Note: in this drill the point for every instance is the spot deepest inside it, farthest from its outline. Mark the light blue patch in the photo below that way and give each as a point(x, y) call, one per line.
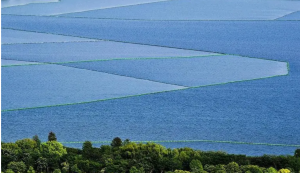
point(9, 36)
point(191, 72)
point(88, 51)
point(70, 6)
point(278, 40)
point(47, 85)
point(11, 3)
point(292, 16)
point(199, 10)
point(13, 62)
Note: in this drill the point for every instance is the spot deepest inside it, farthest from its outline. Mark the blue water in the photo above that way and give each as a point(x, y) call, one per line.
point(70, 6)
point(199, 10)
point(13, 36)
point(279, 40)
point(191, 71)
point(10, 3)
point(83, 51)
point(292, 16)
point(46, 85)
point(254, 111)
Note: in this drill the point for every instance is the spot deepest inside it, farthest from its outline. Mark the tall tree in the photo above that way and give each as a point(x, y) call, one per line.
point(37, 140)
point(116, 142)
point(297, 153)
point(52, 137)
point(87, 149)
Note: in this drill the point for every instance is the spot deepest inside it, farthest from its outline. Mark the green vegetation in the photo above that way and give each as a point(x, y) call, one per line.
point(33, 156)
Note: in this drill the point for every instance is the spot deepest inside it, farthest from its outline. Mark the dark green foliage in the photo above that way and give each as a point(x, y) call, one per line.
point(65, 167)
point(9, 171)
point(297, 153)
point(9, 152)
point(130, 157)
point(17, 167)
point(233, 167)
point(125, 142)
point(116, 142)
point(41, 164)
point(30, 170)
point(57, 171)
point(136, 170)
point(87, 149)
point(196, 166)
point(37, 140)
point(52, 137)
point(252, 169)
point(75, 169)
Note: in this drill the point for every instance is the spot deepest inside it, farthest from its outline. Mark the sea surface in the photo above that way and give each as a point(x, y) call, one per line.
point(11, 3)
point(192, 72)
point(291, 16)
point(198, 10)
point(90, 50)
point(70, 6)
point(262, 111)
point(20, 37)
point(32, 86)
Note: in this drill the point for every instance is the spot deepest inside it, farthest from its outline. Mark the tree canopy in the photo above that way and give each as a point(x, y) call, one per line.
point(34, 156)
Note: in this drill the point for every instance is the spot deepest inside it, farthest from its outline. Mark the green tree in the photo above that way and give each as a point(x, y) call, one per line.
point(87, 149)
point(9, 152)
point(37, 140)
point(75, 169)
point(284, 171)
point(116, 142)
point(30, 170)
point(220, 169)
point(83, 165)
point(181, 171)
point(126, 142)
point(17, 167)
point(209, 168)
point(52, 151)
point(136, 170)
point(297, 153)
point(65, 167)
point(271, 170)
point(196, 166)
point(233, 167)
point(26, 144)
point(52, 137)
point(29, 151)
point(252, 169)
point(9, 171)
point(41, 164)
point(57, 171)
